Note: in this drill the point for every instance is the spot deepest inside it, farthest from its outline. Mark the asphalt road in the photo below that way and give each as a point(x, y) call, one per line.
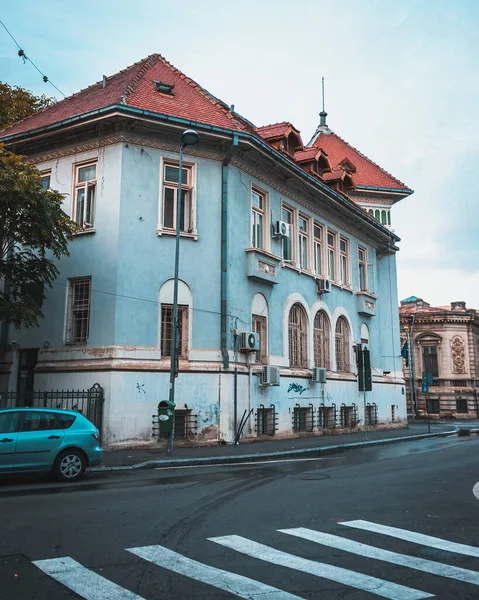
point(148, 534)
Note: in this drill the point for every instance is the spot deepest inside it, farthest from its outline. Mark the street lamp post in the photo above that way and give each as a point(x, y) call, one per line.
point(188, 138)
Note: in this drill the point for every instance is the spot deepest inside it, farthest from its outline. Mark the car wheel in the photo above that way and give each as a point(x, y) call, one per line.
point(69, 466)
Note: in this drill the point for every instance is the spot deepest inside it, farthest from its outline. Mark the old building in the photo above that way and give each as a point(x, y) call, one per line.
point(276, 239)
point(443, 341)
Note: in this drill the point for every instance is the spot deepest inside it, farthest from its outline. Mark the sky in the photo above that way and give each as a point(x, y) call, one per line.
point(402, 86)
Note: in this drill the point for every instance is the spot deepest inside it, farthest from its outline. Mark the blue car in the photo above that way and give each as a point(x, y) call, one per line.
point(44, 440)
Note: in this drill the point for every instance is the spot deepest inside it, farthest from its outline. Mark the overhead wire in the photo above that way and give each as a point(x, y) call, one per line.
point(25, 58)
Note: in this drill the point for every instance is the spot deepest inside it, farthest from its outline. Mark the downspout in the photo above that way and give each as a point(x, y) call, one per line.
point(224, 253)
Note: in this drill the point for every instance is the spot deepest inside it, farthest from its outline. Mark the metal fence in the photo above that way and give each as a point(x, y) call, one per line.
point(88, 402)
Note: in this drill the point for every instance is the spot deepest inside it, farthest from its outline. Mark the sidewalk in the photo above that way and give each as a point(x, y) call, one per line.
point(155, 456)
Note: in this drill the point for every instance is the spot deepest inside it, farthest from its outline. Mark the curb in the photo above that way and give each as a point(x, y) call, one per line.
point(307, 452)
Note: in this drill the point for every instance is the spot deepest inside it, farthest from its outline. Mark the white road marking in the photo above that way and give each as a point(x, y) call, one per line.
point(87, 584)
point(416, 538)
point(419, 564)
point(345, 576)
point(224, 580)
point(475, 490)
point(254, 462)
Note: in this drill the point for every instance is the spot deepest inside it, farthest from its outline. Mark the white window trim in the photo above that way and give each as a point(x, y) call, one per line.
point(307, 235)
point(76, 168)
point(322, 244)
point(266, 217)
point(346, 283)
point(335, 279)
point(365, 250)
point(292, 234)
point(185, 298)
point(47, 173)
point(160, 229)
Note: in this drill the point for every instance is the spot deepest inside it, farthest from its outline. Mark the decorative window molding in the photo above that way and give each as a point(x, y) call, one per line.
point(303, 242)
point(343, 344)
point(344, 261)
point(260, 237)
point(287, 245)
point(185, 312)
point(363, 268)
point(84, 194)
point(259, 319)
point(318, 236)
point(332, 252)
point(169, 175)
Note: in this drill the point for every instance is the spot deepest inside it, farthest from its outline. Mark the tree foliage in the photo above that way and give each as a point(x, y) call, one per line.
point(34, 234)
point(17, 103)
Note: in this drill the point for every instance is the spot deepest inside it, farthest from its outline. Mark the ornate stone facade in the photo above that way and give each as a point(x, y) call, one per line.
point(443, 341)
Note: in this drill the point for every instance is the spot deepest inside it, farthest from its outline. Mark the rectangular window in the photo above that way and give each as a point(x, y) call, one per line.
point(167, 330)
point(429, 354)
point(258, 207)
point(78, 310)
point(303, 242)
point(265, 421)
point(461, 405)
point(433, 406)
point(171, 174)
point(260, 326)
point(332, 256)
point(344, 260)
point(303, 418)
point(363, 269)
point(85, 195)
point(318, 249)
point(45, 178)
point(287, 217)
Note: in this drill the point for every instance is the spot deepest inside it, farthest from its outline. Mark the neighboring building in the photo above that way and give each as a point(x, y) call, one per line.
point(312, 289)
point(445, 343)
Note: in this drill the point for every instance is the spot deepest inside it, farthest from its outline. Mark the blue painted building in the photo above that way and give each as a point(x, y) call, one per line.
point(277, 240)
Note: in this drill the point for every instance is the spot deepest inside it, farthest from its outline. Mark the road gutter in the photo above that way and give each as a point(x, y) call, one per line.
point(313, 452)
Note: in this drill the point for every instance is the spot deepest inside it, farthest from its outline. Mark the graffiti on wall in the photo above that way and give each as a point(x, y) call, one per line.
point(297, 388)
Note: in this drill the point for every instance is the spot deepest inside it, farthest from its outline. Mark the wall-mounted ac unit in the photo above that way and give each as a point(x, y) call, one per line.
point(318, 375)
point(281, 230)
point(269, 375)
point(323, 286)
point(249, 342)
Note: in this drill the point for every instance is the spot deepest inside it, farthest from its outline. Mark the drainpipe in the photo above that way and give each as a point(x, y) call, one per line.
point(412, 383)
point(224, 253)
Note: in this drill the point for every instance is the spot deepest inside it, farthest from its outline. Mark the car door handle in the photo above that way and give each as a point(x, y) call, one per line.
point(53, 437)
point(6, 440)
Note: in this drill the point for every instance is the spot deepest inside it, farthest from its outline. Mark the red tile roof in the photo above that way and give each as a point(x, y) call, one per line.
point(276, 130)
point(307, 154)
point(134, 87)
point(337, 174)
point(367, 172)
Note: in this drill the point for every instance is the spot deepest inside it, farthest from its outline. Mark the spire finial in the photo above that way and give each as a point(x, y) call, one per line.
point(323, 114)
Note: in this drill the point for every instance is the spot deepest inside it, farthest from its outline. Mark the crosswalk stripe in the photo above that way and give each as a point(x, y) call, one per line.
point(419, 564)
point(412, 536)
point(87, 584)
point(224, 580)
point(338, 574)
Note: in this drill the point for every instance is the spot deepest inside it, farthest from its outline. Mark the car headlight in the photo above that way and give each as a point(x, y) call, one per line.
point(96, 436)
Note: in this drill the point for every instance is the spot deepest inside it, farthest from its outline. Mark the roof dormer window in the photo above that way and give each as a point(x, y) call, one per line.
point(164, 88)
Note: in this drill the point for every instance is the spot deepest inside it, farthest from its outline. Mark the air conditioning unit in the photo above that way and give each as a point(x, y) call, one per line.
point(318, 375)
point(269, 375)
point(281, 230)
point(323, 286)
point(249, 342)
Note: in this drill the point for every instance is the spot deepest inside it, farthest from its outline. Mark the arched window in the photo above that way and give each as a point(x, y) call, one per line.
point(342, 346)
point(365, 335)
point(389, 217)
point(321, 331)
point(259, 320)
point(298, 337)
point(371, 212)
point(184, 331)
point(383, 217)
point(377, 215)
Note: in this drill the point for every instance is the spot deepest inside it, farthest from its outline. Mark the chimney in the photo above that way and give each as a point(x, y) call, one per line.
point(104, 81)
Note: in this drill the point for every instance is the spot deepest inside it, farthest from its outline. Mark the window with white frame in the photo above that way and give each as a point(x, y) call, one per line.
point(303, 232)
point(260, 326)
point(258, 218)
point(45, 179)
point(332, 255)
point(321, 331)
point(363, 269)
point(78, 310)
point(171, 174)
point(287, 247)
point(85, 195)
point(167, 330)
point(344, 260)
point(318, 249)
point(298, 337)
point(343, 363)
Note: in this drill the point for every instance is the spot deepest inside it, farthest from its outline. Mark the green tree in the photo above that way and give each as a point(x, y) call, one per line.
point(34, 234)
point(17, 103)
